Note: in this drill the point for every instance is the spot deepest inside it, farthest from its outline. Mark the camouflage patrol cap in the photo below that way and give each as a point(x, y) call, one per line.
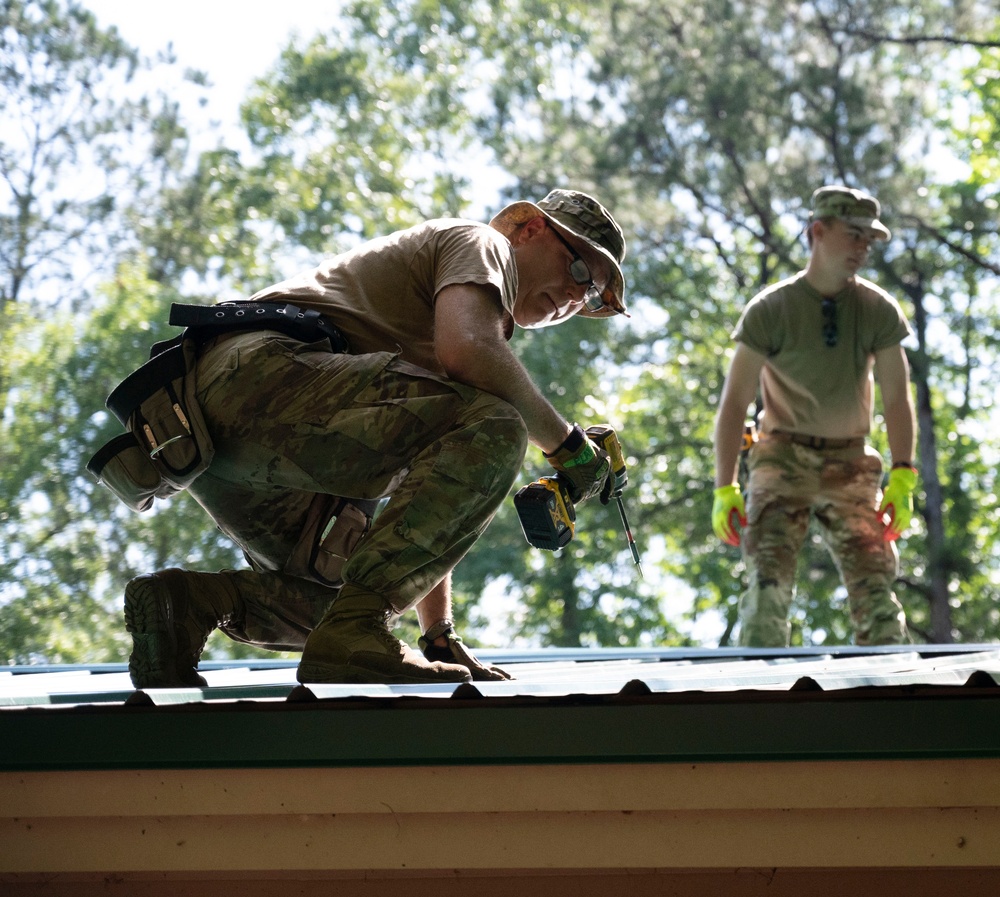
point(853, 206)
point(583, 217)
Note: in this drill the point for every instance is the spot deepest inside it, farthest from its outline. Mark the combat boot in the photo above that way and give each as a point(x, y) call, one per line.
point(352, 643)
point(170, 615)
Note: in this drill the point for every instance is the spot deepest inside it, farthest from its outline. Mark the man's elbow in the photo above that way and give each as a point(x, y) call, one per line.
point(461, 360)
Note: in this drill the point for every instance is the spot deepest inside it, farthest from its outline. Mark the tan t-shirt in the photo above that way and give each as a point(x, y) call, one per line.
point(381, 295)
point(808, 387)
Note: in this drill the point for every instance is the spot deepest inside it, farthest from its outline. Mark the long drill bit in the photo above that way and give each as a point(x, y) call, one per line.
point(628, 536)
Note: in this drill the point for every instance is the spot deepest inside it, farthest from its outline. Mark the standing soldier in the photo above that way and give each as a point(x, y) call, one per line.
point(811, 344)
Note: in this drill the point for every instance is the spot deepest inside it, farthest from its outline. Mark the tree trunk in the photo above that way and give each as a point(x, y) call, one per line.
point(933, 505)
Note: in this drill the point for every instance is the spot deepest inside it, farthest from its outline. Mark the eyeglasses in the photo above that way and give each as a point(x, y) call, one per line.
point(580, 272)
point(830, 322)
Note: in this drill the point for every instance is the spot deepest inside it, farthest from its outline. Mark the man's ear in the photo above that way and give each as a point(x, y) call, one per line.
point(531, 229)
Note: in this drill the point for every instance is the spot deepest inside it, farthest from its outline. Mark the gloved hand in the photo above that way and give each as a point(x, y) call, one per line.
point(897, 502)
point(727, 511)
point(456, 652)
point(585, 466)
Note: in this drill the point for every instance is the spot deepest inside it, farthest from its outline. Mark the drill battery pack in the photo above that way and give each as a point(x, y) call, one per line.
point(547, 516)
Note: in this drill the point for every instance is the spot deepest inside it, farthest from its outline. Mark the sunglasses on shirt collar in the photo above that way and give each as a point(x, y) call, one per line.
point(580, 272)
point(829, 307)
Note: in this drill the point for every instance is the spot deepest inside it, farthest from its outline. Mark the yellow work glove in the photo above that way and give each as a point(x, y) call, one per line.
point(897, 502)
point(727, 511)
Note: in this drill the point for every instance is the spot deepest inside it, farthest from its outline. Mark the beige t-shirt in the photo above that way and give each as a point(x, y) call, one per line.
point(381, 295)
point(807, 386)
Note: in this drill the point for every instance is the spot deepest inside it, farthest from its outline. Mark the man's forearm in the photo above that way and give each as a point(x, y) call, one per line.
point(728, 438)
point(737, 394)
point(726, 454)
point(472, 349)
point(897, 403)
point(729, 423)
point(506, 377)
point(900, 428)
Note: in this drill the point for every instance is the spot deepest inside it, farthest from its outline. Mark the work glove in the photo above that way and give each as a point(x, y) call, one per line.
point(728, 511)
point(897, 502)
point(456, 652)
point(585, 467)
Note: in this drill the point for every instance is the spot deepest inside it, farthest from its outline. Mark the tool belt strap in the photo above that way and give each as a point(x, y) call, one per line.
point(165, 367)
point(817, 442)
point(305, 324)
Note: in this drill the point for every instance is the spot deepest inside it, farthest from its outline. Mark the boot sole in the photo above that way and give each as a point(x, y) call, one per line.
point(149, 619)
point(322, 673)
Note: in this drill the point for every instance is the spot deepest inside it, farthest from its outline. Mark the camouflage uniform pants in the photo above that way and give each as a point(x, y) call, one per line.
point(840, 488)
point(290, 420)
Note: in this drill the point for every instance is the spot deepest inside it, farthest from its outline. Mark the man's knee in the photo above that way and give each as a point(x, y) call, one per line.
point(507, 427)
point(494, 441)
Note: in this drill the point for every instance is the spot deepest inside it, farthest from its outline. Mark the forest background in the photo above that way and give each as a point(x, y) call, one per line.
point(705, 128)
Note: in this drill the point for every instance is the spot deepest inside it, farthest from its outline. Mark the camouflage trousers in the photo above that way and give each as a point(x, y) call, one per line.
point(291, 421)
point(789, 484)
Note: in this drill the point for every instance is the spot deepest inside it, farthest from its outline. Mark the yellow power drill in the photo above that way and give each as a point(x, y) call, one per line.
point(546, 511)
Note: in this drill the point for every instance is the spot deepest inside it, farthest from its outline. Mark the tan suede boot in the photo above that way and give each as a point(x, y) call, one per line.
point(352, 643)
point(171, 614)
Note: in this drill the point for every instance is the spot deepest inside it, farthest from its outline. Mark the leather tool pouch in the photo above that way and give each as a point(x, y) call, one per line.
point(126, 469)
point(332, 530)
point(167, 444)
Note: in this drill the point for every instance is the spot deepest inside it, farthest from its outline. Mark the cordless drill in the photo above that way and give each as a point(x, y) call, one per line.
point(546, 510)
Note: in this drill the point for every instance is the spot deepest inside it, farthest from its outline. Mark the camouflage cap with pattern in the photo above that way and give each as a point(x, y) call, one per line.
point(853, 206)
point(583, 217)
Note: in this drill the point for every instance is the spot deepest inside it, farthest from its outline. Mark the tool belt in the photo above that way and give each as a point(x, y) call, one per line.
point(816, 442)
point(166, 445)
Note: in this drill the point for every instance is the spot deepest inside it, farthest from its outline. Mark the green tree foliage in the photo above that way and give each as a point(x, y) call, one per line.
point(67, 544)
point(704, 128)
point(75, 154)
point(61, 127)
point(358, 129)
point(717, 124)
point(710, 128)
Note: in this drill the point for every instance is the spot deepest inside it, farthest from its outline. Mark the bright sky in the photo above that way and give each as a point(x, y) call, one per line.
point(233, 41)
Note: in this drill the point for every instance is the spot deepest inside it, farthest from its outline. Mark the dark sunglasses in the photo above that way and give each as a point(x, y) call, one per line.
point(830, 322)
point(578, 270)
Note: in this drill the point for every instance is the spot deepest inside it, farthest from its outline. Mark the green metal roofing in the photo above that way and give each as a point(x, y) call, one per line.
point(611, 707)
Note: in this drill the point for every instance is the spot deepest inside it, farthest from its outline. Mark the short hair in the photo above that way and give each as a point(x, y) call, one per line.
point(809, 227)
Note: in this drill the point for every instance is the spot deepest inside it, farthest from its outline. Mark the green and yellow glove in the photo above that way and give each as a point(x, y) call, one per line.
point(897, 502)
point(728, 511)
point(585, 467)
